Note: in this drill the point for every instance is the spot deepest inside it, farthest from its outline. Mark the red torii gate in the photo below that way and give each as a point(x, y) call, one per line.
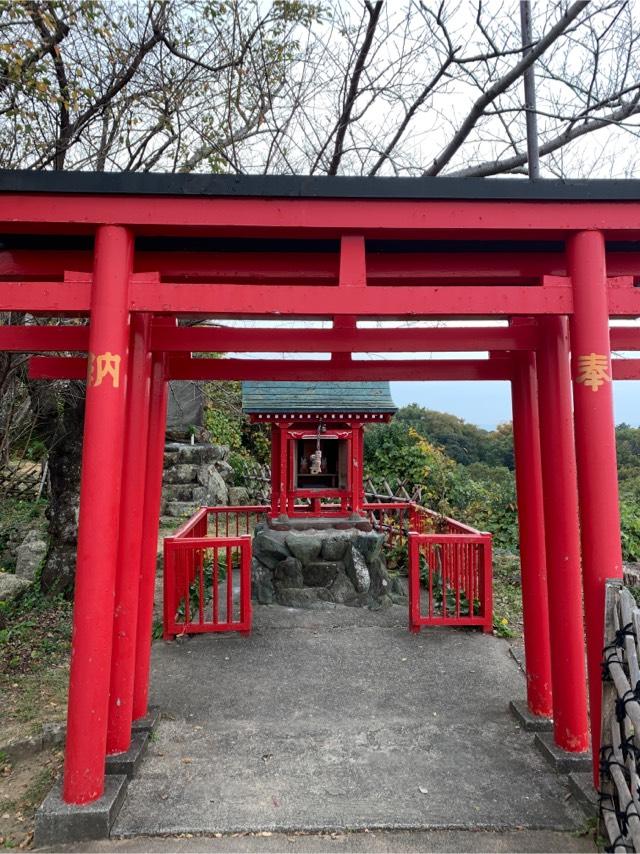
point(135, 252)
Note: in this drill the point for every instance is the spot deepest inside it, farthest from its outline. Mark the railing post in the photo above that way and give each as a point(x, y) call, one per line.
point(414, 583)
point(100, 487)
point(169, 586)
point(487, 552)
point(245, 586)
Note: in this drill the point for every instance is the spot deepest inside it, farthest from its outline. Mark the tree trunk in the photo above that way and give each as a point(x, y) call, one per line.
point(59, 409)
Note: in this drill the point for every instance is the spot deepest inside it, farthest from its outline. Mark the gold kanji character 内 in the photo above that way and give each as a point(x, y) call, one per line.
point(101, 366)
point(593, 370)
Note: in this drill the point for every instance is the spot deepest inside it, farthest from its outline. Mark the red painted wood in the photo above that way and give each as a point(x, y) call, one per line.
point(404, 340)
point(447, 553)
point(215, 299)
point(34, 339)
point(234, 340)
point(125, 621)
point(222, 339)
point(595, 450)
point(152, 501)
point(275, 466)
point(57, 368)
point(570, 723)
point(283, 459)
point(526, 439)
point(75, 368)
point(318, 267)
point(353, 265)
point(626, 369)
point(316, 217)
point(98, 524)
point(258, 369)
point(283, 300)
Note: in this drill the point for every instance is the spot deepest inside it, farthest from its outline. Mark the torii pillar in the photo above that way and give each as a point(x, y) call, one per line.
point(100, 488)
point(595, 448)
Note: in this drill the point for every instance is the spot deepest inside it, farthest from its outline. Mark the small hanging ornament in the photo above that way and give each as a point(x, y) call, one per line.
point(316, 456)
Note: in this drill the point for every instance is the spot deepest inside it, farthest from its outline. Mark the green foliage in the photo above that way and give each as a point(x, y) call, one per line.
point(480, 494)
point(223, 428)
point(630, 527)
point(467, 472)
point(394, 451)
point(492, 504)
point(628, 447)
point(228, 425)
point(507, 595)
point(464, 443)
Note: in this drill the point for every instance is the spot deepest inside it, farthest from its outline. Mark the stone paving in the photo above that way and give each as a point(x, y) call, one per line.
point(339, 720)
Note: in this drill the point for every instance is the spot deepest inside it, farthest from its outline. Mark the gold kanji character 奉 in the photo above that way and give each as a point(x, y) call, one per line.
point(104, 365)
point(593, 370)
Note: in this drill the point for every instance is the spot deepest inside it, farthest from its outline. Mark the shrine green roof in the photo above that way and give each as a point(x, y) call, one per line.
point(298, 397)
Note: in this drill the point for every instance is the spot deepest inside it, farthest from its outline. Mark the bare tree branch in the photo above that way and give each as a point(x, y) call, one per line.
point(502, 85)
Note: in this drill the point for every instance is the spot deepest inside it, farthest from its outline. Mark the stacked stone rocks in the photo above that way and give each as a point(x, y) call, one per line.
point(318, 568)
point(194, 476)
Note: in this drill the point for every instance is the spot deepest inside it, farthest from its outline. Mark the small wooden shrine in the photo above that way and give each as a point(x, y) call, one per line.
point(317, 441)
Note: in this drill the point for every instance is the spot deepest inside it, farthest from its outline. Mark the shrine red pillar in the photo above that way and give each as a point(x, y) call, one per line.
point(275, 470)
point(595, 447)
point(283, 461)
point(125, 619)
point(100, 485)
point(568, 675)
point(150, 524)
point(533, 565)
point(357, 453)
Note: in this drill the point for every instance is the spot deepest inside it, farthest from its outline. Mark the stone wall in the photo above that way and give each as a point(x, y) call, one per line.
point(316, 568)
point(194, 476)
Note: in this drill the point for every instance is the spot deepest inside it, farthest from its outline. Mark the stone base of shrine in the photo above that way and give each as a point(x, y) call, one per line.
point(323, 562)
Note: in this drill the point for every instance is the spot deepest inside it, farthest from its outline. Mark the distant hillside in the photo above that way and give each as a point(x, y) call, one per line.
point(468, 472)
point(465, 443)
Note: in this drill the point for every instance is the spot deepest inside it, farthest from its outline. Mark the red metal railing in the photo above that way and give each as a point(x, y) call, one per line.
point(396, 519)
point(226, 521)
point(450, 580)
point(449, 564)
point(207, 576)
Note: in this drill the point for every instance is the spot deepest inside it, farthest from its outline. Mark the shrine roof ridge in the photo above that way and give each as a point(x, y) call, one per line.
point(299, 397)
point(316, 186)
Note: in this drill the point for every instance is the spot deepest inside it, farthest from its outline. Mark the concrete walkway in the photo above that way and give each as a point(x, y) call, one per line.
point(334, 720)
point(359, 842)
